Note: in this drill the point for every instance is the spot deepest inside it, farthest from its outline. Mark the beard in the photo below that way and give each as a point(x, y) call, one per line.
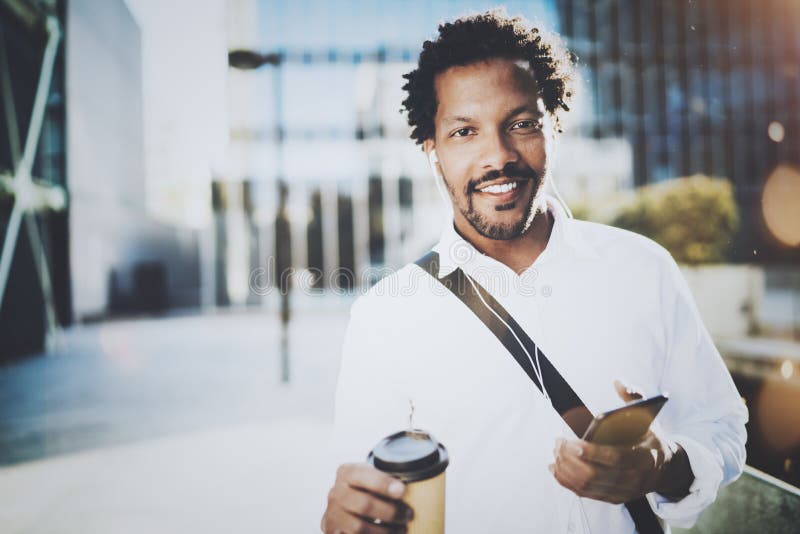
point(481, 222)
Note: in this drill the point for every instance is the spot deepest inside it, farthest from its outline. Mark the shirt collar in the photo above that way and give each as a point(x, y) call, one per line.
point(455, 251)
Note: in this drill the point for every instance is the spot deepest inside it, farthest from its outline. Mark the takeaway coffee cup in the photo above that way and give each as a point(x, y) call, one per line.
point(417, 459)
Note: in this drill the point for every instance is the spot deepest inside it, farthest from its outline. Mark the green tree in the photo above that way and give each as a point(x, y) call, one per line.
point(693, 218)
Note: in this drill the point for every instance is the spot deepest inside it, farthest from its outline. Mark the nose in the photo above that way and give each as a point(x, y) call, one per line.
point(498, 151)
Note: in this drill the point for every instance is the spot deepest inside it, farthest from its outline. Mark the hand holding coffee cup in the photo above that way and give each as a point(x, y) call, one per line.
point(365, 499)
point(417, 459)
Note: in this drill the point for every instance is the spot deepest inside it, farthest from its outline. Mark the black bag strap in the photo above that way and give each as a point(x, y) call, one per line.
point(564, 399)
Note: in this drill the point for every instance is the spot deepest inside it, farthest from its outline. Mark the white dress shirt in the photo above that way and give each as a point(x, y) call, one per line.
point(602, 304)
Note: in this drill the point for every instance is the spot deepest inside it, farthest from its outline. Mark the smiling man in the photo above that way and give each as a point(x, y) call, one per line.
point(603, 304)
point(492, 140)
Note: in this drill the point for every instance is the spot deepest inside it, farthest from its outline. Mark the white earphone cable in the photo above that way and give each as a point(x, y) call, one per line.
point(536, 368)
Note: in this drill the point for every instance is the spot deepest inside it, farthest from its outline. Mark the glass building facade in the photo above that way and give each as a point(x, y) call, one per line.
point(705, 86)
point(23, 38)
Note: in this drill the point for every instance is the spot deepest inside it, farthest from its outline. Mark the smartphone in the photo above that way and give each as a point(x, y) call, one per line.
point(624, 426)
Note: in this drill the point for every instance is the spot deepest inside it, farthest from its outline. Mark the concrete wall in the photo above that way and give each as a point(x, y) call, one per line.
point(110, 229)
point(728, 297)
point(737, 301)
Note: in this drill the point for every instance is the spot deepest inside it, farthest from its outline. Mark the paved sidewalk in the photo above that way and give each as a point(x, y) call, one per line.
point(173, 425)
point(266, 479)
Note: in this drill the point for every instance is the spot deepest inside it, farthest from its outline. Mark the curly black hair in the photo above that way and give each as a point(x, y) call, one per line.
point(485, 36)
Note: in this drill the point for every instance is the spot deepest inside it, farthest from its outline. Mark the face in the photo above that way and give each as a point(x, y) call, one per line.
point(492, 146)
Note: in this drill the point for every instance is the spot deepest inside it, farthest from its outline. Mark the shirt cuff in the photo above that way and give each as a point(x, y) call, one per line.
point(707, 479)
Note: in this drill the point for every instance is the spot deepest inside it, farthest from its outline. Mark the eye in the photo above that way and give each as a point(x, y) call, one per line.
point(461, 132)
point(527, 124)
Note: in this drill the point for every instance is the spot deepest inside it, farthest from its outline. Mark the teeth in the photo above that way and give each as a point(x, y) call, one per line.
point(501, 188)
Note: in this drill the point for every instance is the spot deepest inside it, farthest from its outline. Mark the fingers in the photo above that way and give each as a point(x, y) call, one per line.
point(583, 474)
point(585, 481)
point(569, 470)
point(364, 476)
point(367, 505)
point(605, 455)
point(610, 474)
point(599, 454)
point(598, 493)
point(364, 499)
point(341, 522)
point(635, 457)
point(627, 392)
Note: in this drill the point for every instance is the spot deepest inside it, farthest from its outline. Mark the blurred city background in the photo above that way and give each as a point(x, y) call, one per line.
point(162, 161)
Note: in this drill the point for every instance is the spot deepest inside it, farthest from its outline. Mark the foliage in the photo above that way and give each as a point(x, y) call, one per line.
point(693, 218)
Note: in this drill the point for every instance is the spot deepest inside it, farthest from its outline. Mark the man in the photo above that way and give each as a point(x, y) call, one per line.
point(603, 304)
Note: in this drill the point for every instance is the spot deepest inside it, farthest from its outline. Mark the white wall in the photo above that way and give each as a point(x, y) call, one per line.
point(109, 225)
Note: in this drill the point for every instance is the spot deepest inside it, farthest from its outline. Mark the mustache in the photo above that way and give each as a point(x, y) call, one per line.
point(509, 171)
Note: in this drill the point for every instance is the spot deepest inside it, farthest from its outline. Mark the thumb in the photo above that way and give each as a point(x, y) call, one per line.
point(626, 392)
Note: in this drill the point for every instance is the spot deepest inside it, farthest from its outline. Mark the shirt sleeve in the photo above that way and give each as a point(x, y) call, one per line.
point(370, 403)
point(705, 413)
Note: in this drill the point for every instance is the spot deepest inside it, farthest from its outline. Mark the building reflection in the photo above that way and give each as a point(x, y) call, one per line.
point(709, 87)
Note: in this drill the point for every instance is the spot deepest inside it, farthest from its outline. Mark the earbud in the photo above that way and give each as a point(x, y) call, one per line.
point(438, 178)
point(434, 159)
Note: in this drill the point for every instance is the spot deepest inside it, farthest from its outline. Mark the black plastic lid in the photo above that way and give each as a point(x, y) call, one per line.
point(409, 455)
